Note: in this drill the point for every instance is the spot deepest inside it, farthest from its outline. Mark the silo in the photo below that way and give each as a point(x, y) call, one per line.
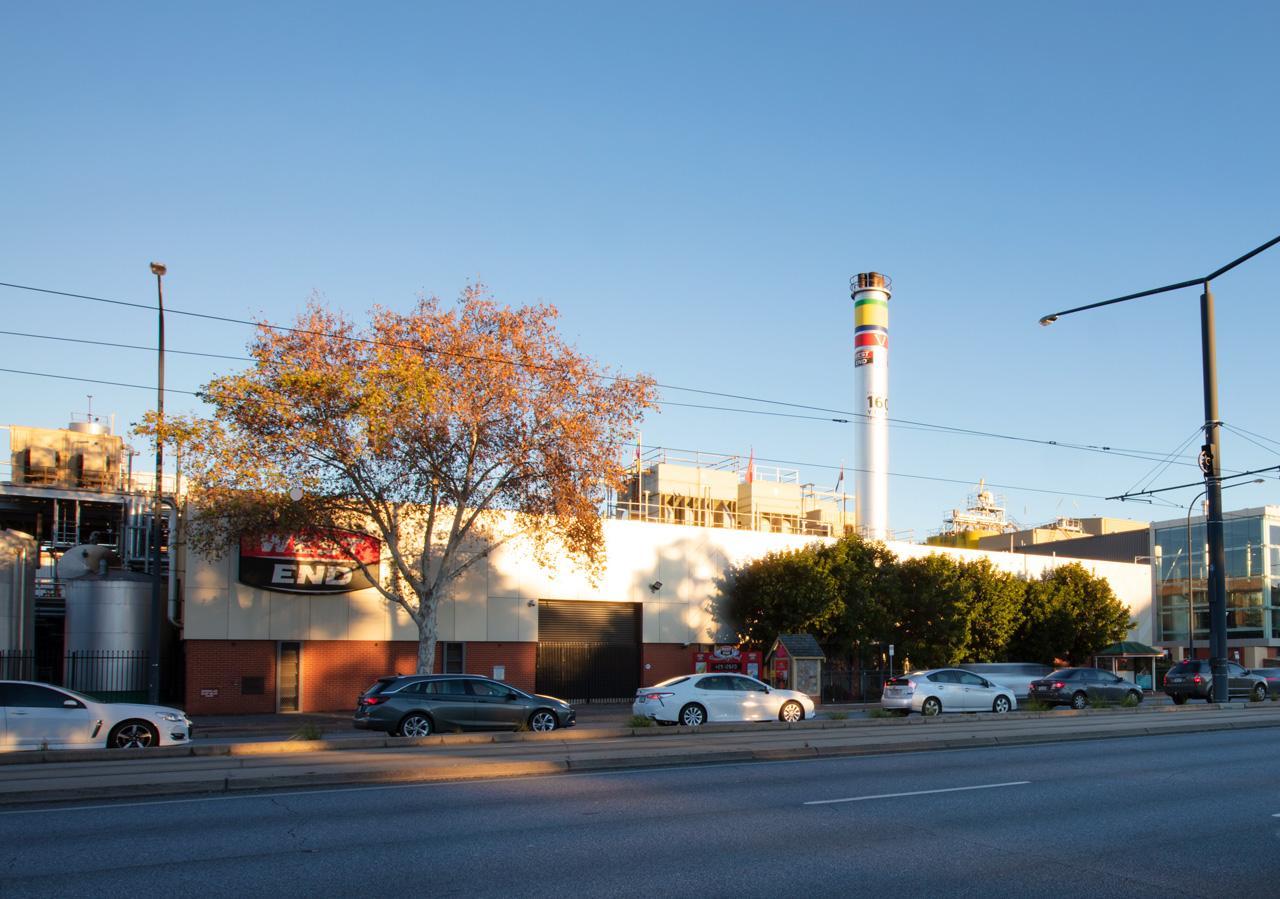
point(108, 617)
point(871, 292)
point(19, 559)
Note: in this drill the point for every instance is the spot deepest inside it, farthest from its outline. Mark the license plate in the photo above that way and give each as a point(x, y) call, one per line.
point(891, 691)
point(1175, 680)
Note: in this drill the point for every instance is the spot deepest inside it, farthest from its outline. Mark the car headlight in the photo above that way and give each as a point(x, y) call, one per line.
point(175, 717)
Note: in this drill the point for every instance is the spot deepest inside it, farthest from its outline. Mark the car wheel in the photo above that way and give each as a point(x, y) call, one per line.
point(1079, 701)
point(931, 706)
point(693, 715)
point(1178, 699)
point(791, 712)
point(1001, 705)
point(542, 721)
point(1259, 693)
point(132, 735)
point(415, 724)
point(1136, 697)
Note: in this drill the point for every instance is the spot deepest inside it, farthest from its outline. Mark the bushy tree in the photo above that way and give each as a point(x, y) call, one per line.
point(784, 592)
point(995, 609)
point(931, 612)
point(1069, 615)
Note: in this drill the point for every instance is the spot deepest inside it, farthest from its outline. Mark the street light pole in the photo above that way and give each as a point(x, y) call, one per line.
point(1211, 465)
point(157, 584)
point(1210, 455)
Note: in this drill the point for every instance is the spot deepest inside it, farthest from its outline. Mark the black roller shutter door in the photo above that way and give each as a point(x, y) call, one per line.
point(589, 651)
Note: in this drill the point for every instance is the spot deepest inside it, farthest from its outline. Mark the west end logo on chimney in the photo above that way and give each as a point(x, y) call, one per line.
point(312, 562)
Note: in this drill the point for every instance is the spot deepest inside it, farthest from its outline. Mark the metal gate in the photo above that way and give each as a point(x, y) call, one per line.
point(589, 651)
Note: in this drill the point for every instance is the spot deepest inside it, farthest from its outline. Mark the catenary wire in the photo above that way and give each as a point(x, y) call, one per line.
point(907, 424)
point(175, 390)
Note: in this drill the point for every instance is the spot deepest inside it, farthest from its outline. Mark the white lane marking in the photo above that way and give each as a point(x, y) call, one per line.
point(1012, 783)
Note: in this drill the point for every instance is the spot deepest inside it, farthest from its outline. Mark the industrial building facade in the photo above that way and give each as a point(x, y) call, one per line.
point(251, 649)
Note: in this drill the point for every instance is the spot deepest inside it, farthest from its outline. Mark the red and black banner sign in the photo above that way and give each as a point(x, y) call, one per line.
point(311, 562)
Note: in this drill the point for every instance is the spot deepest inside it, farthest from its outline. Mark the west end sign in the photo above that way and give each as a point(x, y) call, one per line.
point(316, 562)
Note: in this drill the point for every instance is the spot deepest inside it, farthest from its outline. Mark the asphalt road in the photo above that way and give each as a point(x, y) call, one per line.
point(1192, 815)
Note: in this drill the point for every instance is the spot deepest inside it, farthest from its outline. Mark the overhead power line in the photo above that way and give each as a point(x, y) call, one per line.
point(845, 416)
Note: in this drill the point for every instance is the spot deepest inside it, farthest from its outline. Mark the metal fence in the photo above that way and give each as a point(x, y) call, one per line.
point(852, 684)
point(108, 675)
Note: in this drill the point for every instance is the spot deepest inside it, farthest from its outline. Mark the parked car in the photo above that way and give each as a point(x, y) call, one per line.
point(418, 705)
point(701, 698)
point(1017, 676)
point(42, 716)
point(939, 690)
point(1082, 687)
point(1271, 676)
point(1193, 679)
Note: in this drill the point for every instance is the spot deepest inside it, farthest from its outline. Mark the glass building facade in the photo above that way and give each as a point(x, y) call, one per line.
point(1252, 539)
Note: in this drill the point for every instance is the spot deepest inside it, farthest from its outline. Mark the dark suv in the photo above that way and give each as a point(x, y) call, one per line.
point(419, 705)
point(1193, 679)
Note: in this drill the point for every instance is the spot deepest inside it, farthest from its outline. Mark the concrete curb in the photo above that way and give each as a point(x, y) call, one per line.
point(574, 734)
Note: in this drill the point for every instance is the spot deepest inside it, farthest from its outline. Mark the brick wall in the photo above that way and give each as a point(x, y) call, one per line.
point(334, 672)
point(664, 660)
point(520, 659)
point(215, 672)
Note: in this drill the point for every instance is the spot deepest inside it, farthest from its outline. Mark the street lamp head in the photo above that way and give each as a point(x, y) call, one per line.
point(157, 268)
point(1048, 320)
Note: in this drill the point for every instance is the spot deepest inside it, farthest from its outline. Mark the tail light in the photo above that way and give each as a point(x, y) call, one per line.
point(1058, 685)
point(1196, 679)
point(373, 700)
point(657, 697)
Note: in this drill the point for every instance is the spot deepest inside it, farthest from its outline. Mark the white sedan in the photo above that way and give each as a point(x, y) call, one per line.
point(701, 698)
point(40, 716)
point(945, 690)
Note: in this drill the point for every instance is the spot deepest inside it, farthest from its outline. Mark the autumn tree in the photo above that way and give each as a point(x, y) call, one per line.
point(444, 432)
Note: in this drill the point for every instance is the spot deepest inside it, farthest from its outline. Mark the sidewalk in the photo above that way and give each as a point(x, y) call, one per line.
point(106, 774)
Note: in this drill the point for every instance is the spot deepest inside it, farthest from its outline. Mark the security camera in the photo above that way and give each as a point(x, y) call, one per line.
point(656, 586)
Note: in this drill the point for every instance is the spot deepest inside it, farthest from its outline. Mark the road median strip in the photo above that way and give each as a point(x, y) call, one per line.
point(104, 774)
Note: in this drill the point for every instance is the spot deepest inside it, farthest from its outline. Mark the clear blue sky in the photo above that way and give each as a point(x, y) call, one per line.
point(692, 185)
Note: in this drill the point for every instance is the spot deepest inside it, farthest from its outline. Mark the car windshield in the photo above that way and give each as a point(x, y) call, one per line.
point(672, 681)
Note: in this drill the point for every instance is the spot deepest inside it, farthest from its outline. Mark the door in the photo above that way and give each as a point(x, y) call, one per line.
point(978, 697)
point(1117, 688)
point(495, 705)
point(588, 651)
point(452, 704)
point(716, 693)
point(288, 679)
point(1238, 683)
point(37, 716)
point(754, 699)
point(946, 687)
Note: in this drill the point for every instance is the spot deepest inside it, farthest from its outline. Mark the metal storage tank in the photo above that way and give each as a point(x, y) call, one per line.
point(108, 617)
point(19, 558)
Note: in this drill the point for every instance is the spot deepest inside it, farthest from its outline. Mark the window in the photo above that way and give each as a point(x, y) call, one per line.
point(969, 680)
point(747, 685)
point(717, 682)
point(453, 688)
point(30, 696)
point(943, 677)
point(490, 690)
point(452, 658)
